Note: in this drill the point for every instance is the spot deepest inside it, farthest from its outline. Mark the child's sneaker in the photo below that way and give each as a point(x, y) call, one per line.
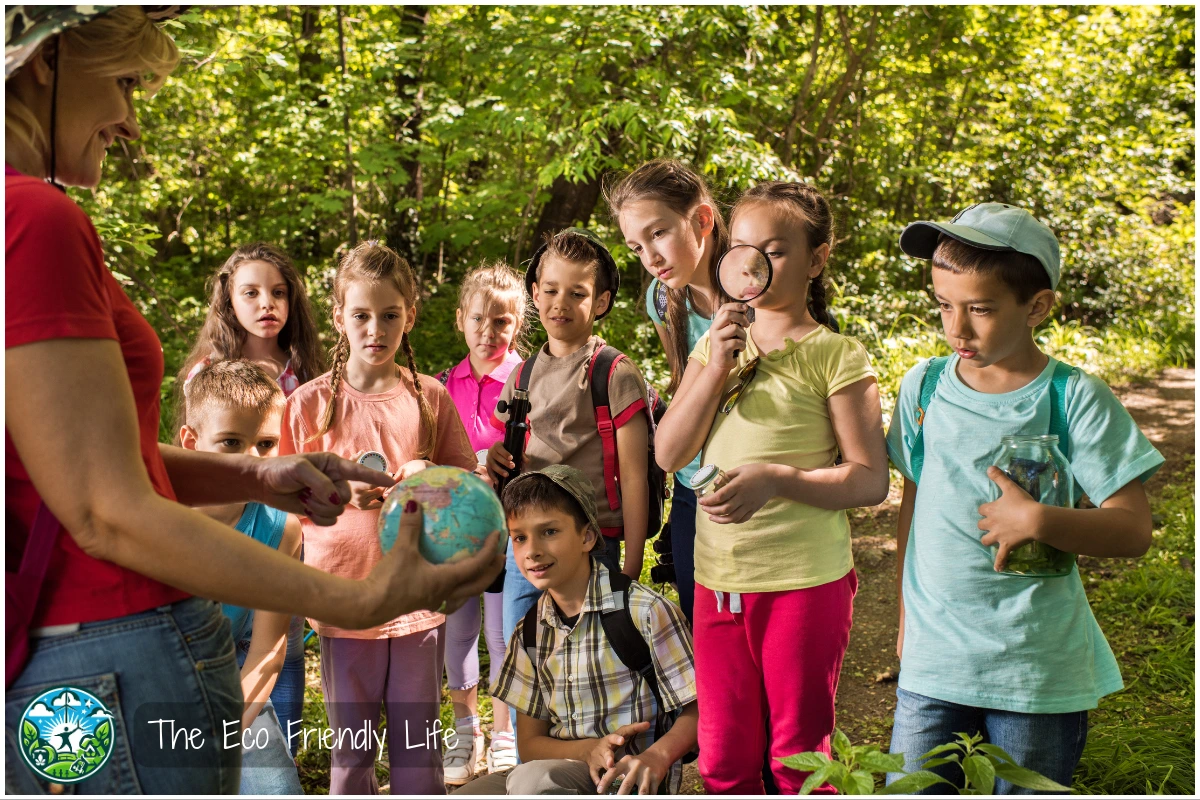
point(459, 763)
point(502, 754)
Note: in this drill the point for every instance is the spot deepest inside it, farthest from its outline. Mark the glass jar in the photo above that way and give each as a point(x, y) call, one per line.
point(1037, 465)
point(708, 479)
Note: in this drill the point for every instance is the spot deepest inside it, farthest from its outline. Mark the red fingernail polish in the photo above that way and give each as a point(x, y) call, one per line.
point(333, 498)
point(410, 507)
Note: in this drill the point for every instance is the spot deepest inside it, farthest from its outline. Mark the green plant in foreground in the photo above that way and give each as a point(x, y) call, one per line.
point(855, 769)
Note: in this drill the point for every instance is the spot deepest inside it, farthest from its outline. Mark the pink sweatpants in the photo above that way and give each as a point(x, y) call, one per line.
point(780, 656)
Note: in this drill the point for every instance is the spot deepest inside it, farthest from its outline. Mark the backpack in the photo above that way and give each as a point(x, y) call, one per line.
point(22, 590)
point(626, 641)
point(604, 361)
point(929, 380)
point(443, 376)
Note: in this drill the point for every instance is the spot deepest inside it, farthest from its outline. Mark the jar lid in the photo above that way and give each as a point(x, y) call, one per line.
point(373, 460)
point(705, 475)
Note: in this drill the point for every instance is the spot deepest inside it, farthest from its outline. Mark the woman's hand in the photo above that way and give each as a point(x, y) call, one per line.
point(747, 489)
point(403, 581)
point(314, 485)
point(727, 335)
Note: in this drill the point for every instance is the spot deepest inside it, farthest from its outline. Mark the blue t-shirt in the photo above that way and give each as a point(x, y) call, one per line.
point(697, 327)
point(262, 524)
point(974, 636)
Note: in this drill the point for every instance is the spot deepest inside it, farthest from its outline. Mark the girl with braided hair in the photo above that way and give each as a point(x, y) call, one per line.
point(367, 402)
point(772, 404)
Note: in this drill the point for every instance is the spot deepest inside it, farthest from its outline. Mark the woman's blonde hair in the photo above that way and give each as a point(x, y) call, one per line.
point(116, 42)
point(377, 263)
point(500, 284)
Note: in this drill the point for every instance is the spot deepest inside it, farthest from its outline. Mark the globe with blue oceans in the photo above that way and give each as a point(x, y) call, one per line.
point(460, 510)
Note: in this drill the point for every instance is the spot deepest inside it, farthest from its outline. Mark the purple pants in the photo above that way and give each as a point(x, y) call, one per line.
point(403, 675)
point(462, 641)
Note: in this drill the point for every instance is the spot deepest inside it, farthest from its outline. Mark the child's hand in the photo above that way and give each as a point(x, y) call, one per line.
point(601, 757)
point(726, 335)
point(365, 496)
point(1012, 520)
point(499, 460)
point(644, 771)
point(748, 489)
point(410, 468)
point(482, 471)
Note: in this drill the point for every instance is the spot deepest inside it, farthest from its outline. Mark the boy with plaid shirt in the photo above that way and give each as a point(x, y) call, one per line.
point(584, 719)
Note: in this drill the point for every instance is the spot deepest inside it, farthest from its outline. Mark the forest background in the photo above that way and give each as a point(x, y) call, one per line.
point(458, 134)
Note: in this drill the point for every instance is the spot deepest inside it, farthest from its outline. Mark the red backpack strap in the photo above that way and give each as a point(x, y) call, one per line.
point(604, 363)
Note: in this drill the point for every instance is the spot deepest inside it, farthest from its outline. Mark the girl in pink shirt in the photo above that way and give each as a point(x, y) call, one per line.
point(366, 402)
point(491, 316)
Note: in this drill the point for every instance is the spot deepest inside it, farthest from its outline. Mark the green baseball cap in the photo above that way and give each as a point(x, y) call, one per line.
point(573, 482)
point(989, 226)
point(606, 262)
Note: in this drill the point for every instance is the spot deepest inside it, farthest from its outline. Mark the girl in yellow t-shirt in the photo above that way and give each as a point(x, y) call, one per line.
point(772, 404)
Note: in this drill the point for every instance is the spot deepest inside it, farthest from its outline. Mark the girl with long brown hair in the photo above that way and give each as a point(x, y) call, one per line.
point(669, 219)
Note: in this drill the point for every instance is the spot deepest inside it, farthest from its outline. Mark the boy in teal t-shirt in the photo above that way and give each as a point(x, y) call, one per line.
point(1017, 659)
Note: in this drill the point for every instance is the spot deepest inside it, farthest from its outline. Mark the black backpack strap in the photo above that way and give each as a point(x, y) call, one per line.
point(625, 638)
point(600, 370)
point(443, 376)
point(529, 626)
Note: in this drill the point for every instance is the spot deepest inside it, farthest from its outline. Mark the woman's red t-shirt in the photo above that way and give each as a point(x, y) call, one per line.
point(57, 287)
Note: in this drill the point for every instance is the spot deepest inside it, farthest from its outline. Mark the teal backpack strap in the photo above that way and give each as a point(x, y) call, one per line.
point(929, 381)
point(1058, 406)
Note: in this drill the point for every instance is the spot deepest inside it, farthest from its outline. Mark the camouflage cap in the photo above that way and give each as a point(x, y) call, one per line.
point(574, 483)
point(26, 27)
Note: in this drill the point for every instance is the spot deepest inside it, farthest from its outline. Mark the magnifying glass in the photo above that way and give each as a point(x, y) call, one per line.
point(743, 274)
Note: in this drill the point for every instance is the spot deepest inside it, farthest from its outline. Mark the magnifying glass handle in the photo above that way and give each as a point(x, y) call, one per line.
point(749, 318)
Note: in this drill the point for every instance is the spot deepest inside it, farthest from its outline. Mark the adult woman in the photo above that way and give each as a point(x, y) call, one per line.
point(83, 369)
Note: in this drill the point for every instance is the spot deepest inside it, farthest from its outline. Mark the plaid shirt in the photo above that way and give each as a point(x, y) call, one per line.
point(580, 686)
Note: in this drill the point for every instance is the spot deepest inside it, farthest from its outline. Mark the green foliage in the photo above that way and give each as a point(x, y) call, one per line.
point(854, 768)
point(468, 128)
point(1142, 740)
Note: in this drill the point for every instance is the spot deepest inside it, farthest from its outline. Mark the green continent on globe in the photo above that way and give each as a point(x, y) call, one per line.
point(460, 510)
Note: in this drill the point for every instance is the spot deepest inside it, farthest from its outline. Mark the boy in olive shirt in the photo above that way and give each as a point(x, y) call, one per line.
point(573, 281)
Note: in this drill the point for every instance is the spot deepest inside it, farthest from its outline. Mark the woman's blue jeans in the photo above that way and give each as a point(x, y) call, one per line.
point(1050, 744)
point(175, 663)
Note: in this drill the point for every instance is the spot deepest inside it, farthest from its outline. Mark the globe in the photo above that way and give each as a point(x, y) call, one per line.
point(460, 510)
